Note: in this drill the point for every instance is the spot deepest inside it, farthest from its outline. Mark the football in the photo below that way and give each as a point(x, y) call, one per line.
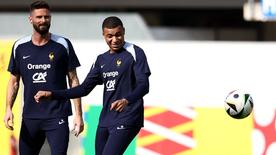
point(238, 104)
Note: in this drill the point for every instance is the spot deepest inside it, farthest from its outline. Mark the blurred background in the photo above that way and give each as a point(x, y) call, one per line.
point(236, 20)
point(198, 51)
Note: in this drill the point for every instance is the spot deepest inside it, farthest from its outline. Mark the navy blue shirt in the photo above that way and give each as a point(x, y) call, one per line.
point(124, 75)
point(43, 68)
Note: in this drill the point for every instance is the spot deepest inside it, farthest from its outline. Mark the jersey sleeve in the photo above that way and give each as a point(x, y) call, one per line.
point(13, 67)
point(142, 73)
point(73, 59)
point(92, 79)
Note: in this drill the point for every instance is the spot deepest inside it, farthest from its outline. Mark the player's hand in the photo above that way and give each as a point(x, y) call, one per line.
point(78, 125)
point(42, 94)
point(8, 120)
point(119, 105)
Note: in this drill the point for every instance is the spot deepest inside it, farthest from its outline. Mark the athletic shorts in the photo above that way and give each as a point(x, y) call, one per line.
point(34, 131)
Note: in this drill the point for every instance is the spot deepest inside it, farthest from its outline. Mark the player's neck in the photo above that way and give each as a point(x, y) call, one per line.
point(39, 39)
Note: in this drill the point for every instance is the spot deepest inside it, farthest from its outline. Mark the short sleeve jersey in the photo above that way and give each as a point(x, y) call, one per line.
point(43, 68)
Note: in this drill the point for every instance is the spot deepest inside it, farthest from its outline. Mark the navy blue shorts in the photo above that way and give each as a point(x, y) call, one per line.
point(34, 131)
point(114, 140)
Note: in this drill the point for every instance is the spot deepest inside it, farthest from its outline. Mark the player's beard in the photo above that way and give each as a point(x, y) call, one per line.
point(42, 29)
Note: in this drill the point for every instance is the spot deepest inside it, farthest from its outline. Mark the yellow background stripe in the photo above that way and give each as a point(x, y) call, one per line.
point(216, 133)
point(153, 111)
point(5, 51)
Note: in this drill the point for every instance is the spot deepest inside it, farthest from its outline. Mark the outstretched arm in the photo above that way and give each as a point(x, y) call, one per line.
point(72, 93)
point(12, 91)
point(92, 79)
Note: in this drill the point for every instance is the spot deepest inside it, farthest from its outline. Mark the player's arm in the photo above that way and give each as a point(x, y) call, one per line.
point(78, 119)
point(141, 89)
point(92, 79)
point(72, 93)
point(12, 90)
point(142, 73)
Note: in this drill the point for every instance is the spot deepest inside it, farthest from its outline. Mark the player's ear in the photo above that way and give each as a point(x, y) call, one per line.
point(30, 19)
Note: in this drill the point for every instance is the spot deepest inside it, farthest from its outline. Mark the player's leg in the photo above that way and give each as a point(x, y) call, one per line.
point(119, 139)
point(101, 138)
point(31, 137)
point(57, 133)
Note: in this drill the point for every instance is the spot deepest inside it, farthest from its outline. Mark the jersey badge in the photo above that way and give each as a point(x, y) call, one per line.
point(118, 62)
point(51, 56)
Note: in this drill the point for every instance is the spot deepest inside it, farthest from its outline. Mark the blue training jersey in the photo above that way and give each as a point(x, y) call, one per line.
point(43, 68)
point(124, 75)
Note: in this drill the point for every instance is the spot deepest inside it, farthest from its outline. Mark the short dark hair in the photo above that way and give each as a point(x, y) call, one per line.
point(112, 22)
point(39, 5)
